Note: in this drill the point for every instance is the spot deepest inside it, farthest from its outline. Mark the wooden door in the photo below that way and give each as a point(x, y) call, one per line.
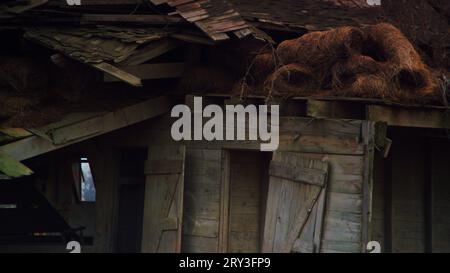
point(163, 205)
point(295, 204)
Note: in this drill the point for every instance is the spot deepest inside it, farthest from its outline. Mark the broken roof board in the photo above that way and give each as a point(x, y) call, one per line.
point(308, 14)
point(96, 45)
point(103, 47)
point(215, 17)
point(65, 133)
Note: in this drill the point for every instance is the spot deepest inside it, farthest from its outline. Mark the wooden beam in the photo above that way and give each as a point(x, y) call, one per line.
point(298, 174)
point(76, 132)
point(118, 74)
point(9, 134)
point(152, 71)
point(22, 8)
point(11, 167)
point(105, 2)
point(150, 51)
point(368, 134)
point(334, 109)
point(148, 19)
point(224, 202)
point(404, 117)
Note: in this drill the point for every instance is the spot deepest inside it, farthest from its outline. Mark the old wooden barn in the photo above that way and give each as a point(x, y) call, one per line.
point(87, 155)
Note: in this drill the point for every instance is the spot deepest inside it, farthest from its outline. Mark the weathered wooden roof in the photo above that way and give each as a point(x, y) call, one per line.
point(215, 17)
point(111, 49)
point(97, 44)
point(309, 14)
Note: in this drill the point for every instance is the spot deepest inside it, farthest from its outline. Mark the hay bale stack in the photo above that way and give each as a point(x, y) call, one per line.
point(319, 51)
point(401, 62)
point(377, 61)
point(360, 76)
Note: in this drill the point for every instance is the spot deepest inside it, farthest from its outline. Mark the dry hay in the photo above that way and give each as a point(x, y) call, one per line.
point(401, 62)
point(321, 50)
point(376, 61)
point(263, 65)
point(366, 86)
point(291, 80)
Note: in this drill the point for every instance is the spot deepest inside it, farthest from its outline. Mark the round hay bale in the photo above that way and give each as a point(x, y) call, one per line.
point(414, 84)
point(417, 82)
point(291, 80)
point(321, 49)
point(369, 86)
point(346, 72)
point(262, 66)
point(399, 59)
point(287, 50)
point(386, 43)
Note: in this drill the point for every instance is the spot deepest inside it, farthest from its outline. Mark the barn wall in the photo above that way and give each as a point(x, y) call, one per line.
point(408, 177)
point(407, 217)
point(441, 196)
point(378, 228)
point(339, 142)
point(202, 201)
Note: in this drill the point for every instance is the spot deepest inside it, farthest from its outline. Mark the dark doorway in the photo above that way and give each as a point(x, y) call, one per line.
point(131, 200)
point(249, 173)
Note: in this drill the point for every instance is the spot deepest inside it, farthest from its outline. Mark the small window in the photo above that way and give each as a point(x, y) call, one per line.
point(84, 181)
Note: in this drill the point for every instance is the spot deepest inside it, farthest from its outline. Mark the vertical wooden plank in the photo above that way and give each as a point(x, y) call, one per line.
point(378, 223)
point(368, 134)
point(202, 205)
point(273, 200)
point(224, 202)
point(388, 207)
point(321, 204)
point(104, 161)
